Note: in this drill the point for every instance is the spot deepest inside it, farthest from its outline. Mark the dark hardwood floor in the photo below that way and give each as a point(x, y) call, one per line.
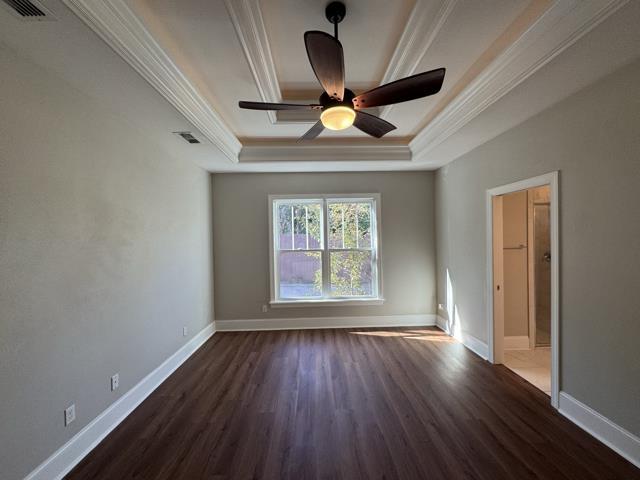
point(347, 404)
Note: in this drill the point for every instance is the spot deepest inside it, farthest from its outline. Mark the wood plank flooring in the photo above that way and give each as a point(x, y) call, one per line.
point(347, 404)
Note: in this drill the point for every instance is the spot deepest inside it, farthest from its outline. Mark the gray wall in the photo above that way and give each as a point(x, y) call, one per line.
point(593, 138)
point(105, 253)
point(241, 240)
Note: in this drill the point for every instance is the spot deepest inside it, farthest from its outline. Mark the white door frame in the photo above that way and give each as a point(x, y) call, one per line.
point(550, 179)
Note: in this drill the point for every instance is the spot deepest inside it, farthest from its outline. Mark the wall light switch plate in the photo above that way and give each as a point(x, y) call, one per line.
point(69, 414)
point(265, 308)
point(185, 331)
point(115, 382)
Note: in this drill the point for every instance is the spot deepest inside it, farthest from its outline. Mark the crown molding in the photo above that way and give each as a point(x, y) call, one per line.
point(248, 23)
point(423, 26)
point(119, 27)
point(559, 27)
point(324, 153)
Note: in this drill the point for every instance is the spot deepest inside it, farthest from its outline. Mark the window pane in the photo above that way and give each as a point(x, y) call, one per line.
point(300, 274)
point(299, 226)
point(351, 274)
point(335, 225)
point(364, 225)
point(284, 227)
point(307, 226)
point(349, 225)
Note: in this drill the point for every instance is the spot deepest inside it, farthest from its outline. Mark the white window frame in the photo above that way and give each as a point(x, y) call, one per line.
point(326, 300)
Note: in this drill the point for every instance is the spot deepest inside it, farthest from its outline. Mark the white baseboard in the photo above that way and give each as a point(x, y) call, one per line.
point(472, 343)
point(615, 437)
point(442, 323)
point(421, 320)
point(516, 343)
point(69, 455)
point(476, 346)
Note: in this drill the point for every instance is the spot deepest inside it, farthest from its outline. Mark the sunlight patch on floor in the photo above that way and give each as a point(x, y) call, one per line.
point(433, 338)
point(425, 335)
point(377, 333)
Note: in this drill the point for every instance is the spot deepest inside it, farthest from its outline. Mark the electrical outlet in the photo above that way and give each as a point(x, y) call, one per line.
point(185, 331)
point(115, 382)
point(69, 414)
point(265, 308)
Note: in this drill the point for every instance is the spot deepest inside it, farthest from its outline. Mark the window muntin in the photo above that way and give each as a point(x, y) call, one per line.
point(324, 249)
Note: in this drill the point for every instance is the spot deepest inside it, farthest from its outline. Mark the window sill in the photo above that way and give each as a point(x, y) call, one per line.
point(326, 303)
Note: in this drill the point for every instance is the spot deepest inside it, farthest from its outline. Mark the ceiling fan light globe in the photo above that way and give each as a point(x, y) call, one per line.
point(338, 118)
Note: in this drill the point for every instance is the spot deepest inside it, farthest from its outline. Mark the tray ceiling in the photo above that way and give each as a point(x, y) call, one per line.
point(206, 55)
point(202, 39)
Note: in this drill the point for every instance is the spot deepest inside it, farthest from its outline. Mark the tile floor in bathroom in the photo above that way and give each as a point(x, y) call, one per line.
point(532, 365)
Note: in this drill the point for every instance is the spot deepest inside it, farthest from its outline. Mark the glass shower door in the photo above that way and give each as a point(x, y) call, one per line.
point(542, 266)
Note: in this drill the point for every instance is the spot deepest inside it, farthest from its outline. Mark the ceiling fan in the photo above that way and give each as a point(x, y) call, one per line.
point(340, 107)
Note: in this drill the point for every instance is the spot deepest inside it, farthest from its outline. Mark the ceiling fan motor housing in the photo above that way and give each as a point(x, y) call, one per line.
point(335, 12)
point(327, 102)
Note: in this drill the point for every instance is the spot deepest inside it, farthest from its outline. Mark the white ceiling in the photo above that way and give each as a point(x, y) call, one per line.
point(205, 55)
point(369, 34)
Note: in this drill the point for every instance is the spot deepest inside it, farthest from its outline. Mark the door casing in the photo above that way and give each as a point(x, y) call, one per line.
point(495, 313)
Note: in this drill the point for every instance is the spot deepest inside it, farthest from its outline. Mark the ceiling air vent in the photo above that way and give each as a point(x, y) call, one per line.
point(28, 10)
point(188, 137)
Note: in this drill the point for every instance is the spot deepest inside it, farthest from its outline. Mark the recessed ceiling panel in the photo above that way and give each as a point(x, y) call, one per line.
point(369, 34)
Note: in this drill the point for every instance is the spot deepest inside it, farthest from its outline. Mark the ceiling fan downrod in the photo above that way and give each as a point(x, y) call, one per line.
point(335, 13)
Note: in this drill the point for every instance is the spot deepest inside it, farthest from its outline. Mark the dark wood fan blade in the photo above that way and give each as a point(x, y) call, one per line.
point(313, 132)
point(403, 90)
point(327, 60)
point(372, 125)
point(276, 106)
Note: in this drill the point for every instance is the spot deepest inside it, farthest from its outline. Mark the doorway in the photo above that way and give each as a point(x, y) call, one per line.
point(522, 280)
